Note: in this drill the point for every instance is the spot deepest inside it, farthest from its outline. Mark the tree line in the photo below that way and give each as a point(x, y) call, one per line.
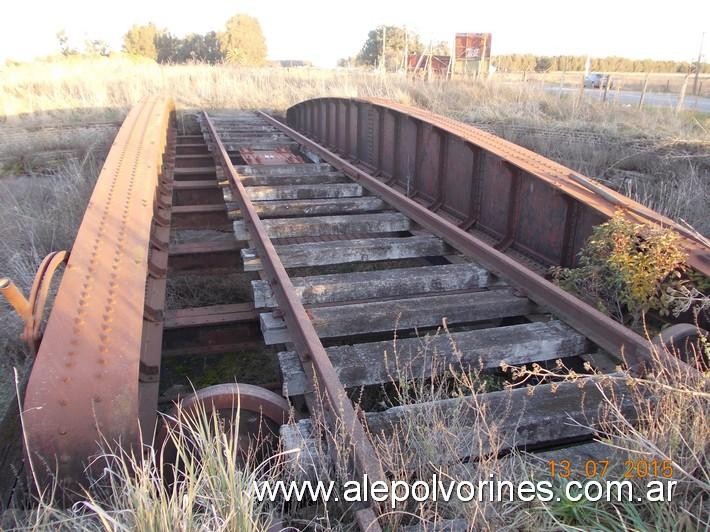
point(398, 41)
point(240, 42)
point(537, 63)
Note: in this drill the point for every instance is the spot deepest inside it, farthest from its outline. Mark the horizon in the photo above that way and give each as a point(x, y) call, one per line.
point(305, 32)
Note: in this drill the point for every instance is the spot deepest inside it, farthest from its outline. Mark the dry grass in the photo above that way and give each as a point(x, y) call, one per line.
point(129, 492)
point(39, 214)
point(658, 82)
point(81, 87)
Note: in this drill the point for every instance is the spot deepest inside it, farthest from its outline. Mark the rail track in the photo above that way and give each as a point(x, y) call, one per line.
point(358, 222)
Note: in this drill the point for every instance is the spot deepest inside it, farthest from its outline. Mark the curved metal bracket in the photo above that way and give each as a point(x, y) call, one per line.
point(32, 333)
point(31, 309)
point(234, 398)
point(680, 340)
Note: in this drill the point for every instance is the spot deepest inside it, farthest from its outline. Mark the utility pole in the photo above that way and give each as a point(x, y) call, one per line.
point(384, 46)
point(429, 63)
point(406, 51)
point(483, 56)
point(606, 87)
point(562, 79)
point(697, 65)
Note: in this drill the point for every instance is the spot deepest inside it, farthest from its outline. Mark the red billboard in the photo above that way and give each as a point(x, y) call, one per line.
point(472, 54)
point(473, 46)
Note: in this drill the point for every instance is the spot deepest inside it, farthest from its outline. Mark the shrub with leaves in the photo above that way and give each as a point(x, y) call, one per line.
point(627, 269)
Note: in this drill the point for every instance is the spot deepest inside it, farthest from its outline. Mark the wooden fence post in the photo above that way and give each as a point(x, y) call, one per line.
point(681, 96)
point(643, 91)
point(562, 83)
point(581, 89)
point(606, 87)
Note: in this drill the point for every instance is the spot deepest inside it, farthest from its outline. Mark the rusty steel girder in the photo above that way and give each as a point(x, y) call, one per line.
point(598, 327)
point(84, 385)
point(511, 196)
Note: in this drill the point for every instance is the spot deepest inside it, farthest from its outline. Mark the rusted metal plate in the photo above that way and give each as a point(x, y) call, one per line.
point(468, 173)
point(269, 157)
point(84, 383)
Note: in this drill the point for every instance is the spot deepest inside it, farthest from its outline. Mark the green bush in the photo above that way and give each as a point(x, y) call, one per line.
point(627, 269)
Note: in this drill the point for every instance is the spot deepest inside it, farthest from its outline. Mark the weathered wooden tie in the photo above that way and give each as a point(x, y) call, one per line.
point(386, 222)
point(211, 315)
point(258, 143)
point(407, 359)
point(296, 192)
point(288, 170)
point(496, 422)
point(402, 314)
point(349, 251)
point(311, 207)
point(486, 424)
point(392, 282)
point(331, 178)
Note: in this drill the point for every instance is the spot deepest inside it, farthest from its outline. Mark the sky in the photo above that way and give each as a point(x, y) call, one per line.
point(324, 31)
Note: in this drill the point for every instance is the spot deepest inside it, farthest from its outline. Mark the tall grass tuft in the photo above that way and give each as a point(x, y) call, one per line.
point(205, 485)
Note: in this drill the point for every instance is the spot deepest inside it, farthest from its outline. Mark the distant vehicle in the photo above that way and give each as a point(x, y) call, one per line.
point(596, 80)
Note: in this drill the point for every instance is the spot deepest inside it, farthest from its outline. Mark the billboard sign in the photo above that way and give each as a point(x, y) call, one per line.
point(472, 53)
point(473, 46)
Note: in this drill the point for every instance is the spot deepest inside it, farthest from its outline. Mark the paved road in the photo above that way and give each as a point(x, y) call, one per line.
point(657, 99)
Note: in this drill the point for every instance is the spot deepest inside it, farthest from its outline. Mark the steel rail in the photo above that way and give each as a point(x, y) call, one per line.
point(608, 334)
point(302, 332)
